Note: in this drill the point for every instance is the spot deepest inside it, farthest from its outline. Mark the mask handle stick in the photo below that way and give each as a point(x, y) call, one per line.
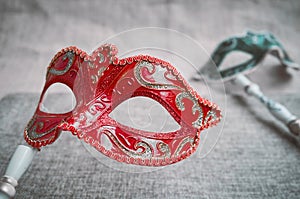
point(19, 163)
point(276, 109)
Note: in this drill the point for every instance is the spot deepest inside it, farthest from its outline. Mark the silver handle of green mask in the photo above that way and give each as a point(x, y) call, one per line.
point(276, 109)
point(17, 166)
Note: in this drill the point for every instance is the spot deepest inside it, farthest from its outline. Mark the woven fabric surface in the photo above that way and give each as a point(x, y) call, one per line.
point(254, 158)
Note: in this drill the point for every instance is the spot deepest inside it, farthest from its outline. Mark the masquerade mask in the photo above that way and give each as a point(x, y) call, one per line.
point(100, 82)
point(257, 45)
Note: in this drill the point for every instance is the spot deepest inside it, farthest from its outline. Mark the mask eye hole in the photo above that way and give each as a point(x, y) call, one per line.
point(235, 58)
point(58, 99)
point(144, 114)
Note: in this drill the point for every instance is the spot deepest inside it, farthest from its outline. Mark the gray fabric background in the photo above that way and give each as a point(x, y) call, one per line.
point(254, 158)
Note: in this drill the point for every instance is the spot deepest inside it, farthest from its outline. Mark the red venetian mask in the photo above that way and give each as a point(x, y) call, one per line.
point(100, 82)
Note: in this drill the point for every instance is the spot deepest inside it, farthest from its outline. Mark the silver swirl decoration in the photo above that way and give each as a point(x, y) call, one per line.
point(196, 107)
point(70, 55)
point(145, 153)
point(182, 144)
point(152, 69)
point(211, 114)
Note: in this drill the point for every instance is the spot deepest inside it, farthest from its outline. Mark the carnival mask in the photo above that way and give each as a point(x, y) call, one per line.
point(100, 82)
point(258, 45)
